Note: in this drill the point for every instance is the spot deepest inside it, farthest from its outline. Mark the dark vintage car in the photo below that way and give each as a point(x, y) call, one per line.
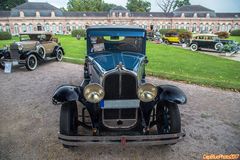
point(32, 48)
point(207, 41)
point(123, 106)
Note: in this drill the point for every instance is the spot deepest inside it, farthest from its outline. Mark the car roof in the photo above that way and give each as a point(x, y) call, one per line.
point(116, 27)
point(36, 32)
point(209, 35)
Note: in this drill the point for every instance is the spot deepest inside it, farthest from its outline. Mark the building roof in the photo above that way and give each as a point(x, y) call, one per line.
point(85, 14)
point(151, 14)
point(193, 8)
point(36, 6)
point(228, 15)
point(5, 13)
point(119, 8)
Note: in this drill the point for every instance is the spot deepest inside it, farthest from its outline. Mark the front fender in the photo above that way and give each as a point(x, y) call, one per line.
point(66, 93)
point(171, 94)
point(57, 48)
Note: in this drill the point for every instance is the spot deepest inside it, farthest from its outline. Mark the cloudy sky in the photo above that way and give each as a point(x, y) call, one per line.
point(217, 5)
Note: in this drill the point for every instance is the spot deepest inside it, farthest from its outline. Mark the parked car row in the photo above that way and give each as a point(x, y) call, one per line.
point(31, 49)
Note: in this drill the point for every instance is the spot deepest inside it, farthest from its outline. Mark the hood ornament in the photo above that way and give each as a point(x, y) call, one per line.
point(120, 66)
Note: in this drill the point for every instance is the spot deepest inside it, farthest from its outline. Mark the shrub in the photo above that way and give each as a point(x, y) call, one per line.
point(235, 32)
point(5, 36)
point(222, 34)
point(185, 35)
point(80, 32)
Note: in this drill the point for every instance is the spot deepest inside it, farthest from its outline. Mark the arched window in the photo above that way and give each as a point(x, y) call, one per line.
point(68, 27)
point(39, 27)
point(73, 26)
point(218, 27)
point(47, 27)
point(168, 26)
point(24, 28)
point(1, 28)
point(7, 26)
point(163, 26)
point(30, 27)
point(176, 26)
point(182, 26)
point(60, 28)
point(212, 27)
point(229, 27)
point(16, 29)
point(54, 28)
point(207, 27)
point(201, 28)
point(223, 27)
point(236, 26)
point(194, 29)
point(188, 27)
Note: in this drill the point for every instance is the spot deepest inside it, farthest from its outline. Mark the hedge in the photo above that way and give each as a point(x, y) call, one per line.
point(5, 36)
point(223, 35)
point(80, 32)
point(163, 31)
point(235, 32)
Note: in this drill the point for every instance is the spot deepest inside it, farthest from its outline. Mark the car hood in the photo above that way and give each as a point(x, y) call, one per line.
point(108, 61)
point(27, 45)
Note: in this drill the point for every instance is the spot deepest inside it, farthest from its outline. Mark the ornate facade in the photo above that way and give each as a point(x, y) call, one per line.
point(33, 16)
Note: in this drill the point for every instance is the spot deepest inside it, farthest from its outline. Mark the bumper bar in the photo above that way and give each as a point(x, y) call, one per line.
point(141, 139)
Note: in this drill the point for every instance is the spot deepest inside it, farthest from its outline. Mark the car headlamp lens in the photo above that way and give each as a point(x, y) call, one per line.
point(147, 92)
point(93, 93)
point(20, 47)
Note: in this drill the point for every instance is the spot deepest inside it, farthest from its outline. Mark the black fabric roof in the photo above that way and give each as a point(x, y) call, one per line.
point(36, 6)
point(193, 8)
point(5, 13)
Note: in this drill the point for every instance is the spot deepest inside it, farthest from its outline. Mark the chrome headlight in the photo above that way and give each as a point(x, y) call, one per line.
point(147, 92)
point(20, 47)
point(93, 93)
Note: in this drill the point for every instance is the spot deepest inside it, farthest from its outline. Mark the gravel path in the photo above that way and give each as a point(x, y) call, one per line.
point(29, 122)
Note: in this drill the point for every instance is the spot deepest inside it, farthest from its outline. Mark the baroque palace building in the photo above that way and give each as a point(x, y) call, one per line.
point(34, 16)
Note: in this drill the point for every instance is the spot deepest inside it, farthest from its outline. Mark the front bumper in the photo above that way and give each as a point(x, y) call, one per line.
point(105, 140)
point(13, 61)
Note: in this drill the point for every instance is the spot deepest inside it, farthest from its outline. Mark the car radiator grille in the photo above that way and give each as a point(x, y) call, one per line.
point(14, 54)
point(120, 86)
point(120, 113)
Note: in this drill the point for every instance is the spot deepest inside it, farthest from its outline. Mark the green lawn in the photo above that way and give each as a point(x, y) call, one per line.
point(172, 63)
point(236, 38)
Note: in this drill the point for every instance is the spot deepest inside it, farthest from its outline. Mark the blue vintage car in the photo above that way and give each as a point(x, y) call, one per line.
point(123, 107)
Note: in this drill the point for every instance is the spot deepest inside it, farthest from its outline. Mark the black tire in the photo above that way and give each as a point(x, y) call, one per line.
point(2, 63)
point(194, 47)
point(41, 52)
point(218, 46)
point(166, 42)
point(69, 118)
point(31, 62)
point(168, 118)
point(59, 55)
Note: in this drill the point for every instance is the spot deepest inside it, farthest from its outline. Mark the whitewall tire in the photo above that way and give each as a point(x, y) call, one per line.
point(194, 47)
point(31, 62)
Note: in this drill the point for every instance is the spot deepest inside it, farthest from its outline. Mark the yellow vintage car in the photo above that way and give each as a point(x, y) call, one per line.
point(171, 37)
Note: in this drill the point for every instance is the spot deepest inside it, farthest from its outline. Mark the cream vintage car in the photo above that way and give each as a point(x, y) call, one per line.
point(31, 49)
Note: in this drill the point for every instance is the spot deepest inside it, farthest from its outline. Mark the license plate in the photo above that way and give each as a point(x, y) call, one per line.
point(7, 67)
point(119, 104)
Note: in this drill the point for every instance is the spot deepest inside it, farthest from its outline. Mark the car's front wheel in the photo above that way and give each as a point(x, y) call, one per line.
point(31, 62)
point(194, 47)
point(168, 118)
point(59, 55)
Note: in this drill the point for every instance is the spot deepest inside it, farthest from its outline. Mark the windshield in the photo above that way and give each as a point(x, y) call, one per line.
point(35, 37)
point(116, 43)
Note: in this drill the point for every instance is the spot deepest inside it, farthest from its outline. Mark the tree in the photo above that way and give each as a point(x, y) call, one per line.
point(138, 6)
point(9, 4)
point(88, 5)
point(166, 5)
point(180, 3)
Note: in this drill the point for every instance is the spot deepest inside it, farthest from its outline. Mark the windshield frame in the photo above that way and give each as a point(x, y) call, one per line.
point(116, 32)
